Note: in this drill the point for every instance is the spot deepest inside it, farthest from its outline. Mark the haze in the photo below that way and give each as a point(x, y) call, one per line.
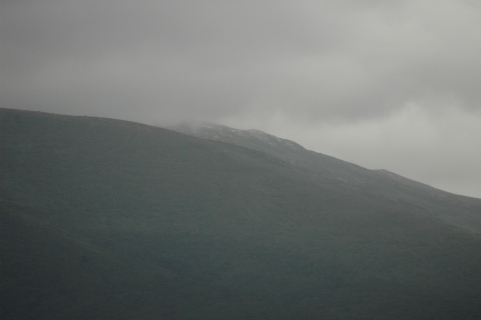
point(383, 84)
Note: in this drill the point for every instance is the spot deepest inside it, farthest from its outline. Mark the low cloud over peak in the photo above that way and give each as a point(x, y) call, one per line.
point(346, 66)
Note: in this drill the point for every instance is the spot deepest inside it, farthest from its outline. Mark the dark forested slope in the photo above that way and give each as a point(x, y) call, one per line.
point(103, 218)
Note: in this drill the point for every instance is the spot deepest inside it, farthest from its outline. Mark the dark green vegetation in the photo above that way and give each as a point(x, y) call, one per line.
point(107, 219)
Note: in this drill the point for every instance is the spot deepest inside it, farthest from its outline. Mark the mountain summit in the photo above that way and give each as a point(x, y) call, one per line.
point(110, 219)
point(458, 210)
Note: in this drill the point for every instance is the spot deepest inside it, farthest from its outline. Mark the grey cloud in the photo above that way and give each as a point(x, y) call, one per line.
point(220, 57)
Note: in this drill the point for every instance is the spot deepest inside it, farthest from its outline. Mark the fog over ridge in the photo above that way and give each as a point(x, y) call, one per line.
point(391, 85)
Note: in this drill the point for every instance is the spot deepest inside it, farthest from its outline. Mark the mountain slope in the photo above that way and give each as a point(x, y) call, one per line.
point(461, 211)
point(231, 231)
point(49, 274)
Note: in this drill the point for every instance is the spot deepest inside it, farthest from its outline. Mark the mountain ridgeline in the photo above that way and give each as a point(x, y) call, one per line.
point(109, 219)
point(462, 211)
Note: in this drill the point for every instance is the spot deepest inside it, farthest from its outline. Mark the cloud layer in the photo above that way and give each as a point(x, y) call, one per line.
point(391, 84)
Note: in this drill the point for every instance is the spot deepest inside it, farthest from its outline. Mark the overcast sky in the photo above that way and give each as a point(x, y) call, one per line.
point(384, 84)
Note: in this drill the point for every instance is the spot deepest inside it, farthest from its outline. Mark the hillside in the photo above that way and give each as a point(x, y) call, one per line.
point(459, 210)
point(104, 218)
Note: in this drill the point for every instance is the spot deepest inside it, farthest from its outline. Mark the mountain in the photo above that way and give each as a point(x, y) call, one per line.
point(110, 219)
point(459, 210)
